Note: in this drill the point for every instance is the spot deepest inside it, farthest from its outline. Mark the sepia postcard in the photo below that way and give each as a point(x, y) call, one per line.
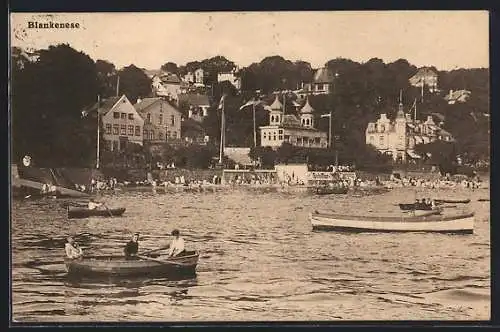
point(249, 166)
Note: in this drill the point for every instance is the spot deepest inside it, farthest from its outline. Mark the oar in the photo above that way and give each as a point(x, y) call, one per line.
point(160, 261)
point(110, 214)
point(154, 250)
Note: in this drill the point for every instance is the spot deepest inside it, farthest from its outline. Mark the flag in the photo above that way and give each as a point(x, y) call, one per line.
point(248, 103)
point(221, 103)
point(251, 102)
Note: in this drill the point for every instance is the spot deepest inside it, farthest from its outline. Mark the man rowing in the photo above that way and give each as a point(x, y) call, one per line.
point(73, 250)
point(132, 246)
point(177, 244)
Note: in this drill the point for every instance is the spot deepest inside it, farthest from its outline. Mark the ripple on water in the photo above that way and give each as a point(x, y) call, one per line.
point(259, 260)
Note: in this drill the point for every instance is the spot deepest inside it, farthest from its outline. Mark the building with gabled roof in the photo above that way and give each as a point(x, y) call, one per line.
point(425, 77)
point(162, 121)
point(120, 121)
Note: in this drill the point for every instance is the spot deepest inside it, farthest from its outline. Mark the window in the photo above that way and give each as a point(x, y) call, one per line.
point(151, 135)
point(148, 118)
point(116, 129)
point(287, 138)
point(137, 130)
point(115, 145)
point(172, 120)
point(108, 128)
point(160, 136)
point(116, 115)
point(123, 129)
point(161, 119)
point(382, 128)
point(174, 133)
point(265, 135)
point(303, 122)
point(131, 116)
point(317, 140)
point(274, 136)
point(123, 115)
point(307, 122)
point(145, 134)
point(280, 131)
point(381, 139)
point(130, 130)
point(168, 134)
point(372, 138)
point(280, 136)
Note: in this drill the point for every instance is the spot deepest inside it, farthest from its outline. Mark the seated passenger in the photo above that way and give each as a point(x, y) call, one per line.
point(73, 251)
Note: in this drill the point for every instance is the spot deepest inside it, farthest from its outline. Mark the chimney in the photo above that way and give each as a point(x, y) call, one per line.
point(383, 116)
point(139, 100)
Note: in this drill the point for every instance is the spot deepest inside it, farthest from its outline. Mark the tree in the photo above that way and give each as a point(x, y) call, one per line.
point(47, 98)
point(107, 78)
point(170, 67)
point(134, 83)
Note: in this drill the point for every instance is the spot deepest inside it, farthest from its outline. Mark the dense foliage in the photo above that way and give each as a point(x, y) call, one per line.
point(48, 94)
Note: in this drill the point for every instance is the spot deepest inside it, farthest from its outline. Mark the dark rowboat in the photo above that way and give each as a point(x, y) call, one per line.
point(119, 266)
point(428, 222)
point(325, 190)
point(80, 212)
point(415, 206)
point(453, 201)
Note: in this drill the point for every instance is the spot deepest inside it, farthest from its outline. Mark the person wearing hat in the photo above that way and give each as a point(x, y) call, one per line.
point(132, 246)
point(73, 251)
point(177, 244)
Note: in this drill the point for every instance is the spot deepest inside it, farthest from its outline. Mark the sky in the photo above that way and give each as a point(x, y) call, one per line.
point(445, 39)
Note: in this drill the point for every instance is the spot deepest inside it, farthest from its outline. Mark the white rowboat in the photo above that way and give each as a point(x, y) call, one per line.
point(462, 223)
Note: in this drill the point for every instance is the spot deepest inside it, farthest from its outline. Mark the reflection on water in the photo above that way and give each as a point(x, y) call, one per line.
point(259, 260)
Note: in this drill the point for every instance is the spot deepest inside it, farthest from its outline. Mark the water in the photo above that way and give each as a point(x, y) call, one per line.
point(259, 260)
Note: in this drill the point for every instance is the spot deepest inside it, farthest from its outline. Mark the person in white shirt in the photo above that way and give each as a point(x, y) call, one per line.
point(177, 244)
point(93, 204)
point(73, 251)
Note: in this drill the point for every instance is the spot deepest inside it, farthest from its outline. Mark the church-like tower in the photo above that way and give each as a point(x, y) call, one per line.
point(306, 115)
point(276, 113)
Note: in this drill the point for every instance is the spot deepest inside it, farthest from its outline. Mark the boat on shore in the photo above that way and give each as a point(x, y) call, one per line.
point(428, 221)
point(452, 201)
point(83, 212)
point(140, 266)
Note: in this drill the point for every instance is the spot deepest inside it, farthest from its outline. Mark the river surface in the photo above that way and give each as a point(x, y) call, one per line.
point(259, 261)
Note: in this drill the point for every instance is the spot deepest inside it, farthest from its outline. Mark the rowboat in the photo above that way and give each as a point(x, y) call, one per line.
point(325, 190)
point(415, 206)
point(119, 266)
point(79, 212)
point(428, 222)
point(453, 201)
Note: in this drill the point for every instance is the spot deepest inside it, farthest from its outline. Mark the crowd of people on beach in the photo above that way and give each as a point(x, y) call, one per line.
point(443, 182)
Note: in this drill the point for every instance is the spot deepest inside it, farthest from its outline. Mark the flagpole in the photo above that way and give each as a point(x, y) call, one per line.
point(98, 130)
point(222, 125)
point(254, 130)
